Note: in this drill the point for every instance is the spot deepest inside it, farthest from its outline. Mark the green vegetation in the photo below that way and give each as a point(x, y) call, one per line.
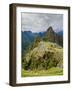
point(50, 72)
point(44, 59)
point(42, 54)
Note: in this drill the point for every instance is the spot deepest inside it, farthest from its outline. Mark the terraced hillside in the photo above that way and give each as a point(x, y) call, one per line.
point(44, 59)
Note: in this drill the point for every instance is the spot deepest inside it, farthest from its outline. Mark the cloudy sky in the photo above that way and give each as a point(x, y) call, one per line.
point(39, 22)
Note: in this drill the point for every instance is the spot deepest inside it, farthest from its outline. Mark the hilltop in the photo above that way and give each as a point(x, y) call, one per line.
point(45, 55)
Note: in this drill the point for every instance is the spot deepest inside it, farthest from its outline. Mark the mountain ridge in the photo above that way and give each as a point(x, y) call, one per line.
point(28, 38)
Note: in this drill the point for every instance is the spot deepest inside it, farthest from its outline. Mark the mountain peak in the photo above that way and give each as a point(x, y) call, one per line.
point(50, 29)
point(50, 34)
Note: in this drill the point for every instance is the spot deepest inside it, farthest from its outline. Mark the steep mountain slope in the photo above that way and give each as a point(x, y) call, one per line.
point(27, 39)
point(45, 55)
point(51, 36)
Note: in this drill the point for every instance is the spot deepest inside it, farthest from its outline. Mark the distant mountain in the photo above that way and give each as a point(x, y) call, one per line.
point(60, 33)
point(27, 39)
point(41, 34)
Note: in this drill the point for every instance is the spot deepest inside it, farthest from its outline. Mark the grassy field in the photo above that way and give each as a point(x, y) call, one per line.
point(49, 72)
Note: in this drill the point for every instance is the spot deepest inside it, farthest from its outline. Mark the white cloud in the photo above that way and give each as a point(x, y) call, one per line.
point(37, 22)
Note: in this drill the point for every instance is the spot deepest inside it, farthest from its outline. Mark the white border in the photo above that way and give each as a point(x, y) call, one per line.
point(19, 79)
